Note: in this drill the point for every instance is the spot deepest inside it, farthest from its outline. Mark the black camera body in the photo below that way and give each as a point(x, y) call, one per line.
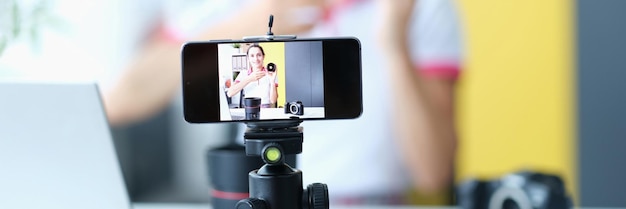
point(295, 108)
point(521, 190)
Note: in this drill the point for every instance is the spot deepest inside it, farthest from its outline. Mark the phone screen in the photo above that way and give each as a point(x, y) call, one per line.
point(308, 79)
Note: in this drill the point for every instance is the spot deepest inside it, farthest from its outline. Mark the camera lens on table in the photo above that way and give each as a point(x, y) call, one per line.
point(253, 108)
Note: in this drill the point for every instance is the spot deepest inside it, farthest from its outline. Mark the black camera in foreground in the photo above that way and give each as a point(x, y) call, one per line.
point(521, 190)
point(295, 108)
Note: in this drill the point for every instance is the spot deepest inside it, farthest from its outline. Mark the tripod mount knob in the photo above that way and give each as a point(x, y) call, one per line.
point(251, 203)
point(317, 196)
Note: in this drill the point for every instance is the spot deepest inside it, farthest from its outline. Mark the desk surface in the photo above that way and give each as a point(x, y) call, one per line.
point(278, 113)
point(207, 206)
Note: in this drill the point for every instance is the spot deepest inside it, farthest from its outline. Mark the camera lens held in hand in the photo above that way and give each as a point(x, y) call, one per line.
point(295, 108)
point(271, 67)
point(253, 108)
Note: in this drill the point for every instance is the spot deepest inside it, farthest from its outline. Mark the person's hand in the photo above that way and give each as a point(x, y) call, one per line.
point(290, 17)
point(295, 16)
point(272, 76)
point(256, 75)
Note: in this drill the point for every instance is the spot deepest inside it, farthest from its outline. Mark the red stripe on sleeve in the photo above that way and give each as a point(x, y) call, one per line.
point(448, 70)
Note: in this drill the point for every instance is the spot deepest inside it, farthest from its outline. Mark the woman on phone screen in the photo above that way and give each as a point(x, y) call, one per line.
point(258, 81)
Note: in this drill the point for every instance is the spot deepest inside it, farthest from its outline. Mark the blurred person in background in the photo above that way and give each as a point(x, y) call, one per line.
point(404, 141)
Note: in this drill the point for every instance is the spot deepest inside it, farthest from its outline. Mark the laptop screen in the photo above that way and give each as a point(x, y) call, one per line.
point(56, 150)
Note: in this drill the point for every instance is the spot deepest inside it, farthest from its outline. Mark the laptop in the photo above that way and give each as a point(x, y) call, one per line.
point(56, 149)
point(225, 107)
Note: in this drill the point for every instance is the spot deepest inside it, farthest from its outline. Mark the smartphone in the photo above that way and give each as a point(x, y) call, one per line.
point(272, 80)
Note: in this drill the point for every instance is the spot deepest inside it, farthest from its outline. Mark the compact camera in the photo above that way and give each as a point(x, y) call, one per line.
point(295, 108)
point(521, 190)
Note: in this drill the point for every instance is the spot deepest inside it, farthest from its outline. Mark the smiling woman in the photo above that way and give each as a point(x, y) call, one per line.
point(257, 81)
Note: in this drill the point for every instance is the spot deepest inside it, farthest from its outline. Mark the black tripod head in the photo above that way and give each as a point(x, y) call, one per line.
point(276, 185)
point(273, 141)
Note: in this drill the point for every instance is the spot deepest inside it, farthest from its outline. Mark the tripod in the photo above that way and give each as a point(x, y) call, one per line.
point(276, 185)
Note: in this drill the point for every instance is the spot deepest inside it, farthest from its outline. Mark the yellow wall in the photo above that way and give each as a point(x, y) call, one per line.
point(275, 52)
point(517, 92)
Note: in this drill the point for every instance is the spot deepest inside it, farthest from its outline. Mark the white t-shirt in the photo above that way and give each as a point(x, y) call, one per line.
point(260, 88)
